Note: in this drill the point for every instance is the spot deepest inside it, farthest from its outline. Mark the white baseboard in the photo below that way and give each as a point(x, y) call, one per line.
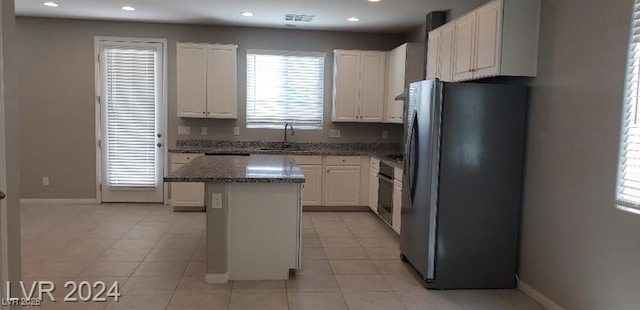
point(537, 296)
point(216, 278)
point(58, 201)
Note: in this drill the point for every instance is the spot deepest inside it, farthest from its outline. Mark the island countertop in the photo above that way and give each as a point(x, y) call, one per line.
point(239, 169)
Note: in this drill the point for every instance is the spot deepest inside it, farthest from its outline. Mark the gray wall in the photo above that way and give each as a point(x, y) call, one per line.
point(56, 78)
point(577, 249)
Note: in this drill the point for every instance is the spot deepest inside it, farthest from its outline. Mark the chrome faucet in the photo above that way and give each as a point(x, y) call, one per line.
point(286, 143)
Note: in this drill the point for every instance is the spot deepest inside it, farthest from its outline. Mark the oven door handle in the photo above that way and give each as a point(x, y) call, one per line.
point(385, 178)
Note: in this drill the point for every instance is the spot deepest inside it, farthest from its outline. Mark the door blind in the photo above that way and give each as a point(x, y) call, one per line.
point(285, 88)
point(131, 117)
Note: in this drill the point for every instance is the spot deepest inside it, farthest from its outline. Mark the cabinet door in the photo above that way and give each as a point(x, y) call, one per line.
point(373, 190)
point(488, 40)
point(397, 62)
point(191, 72)
point(433, 51)
point(446, 52)
point(346, 87)
point(372, 77)
point(312, 188)
point(342, 186)
point(463, 47)
point(186, 194)
point(397, 205)
point(221, 82)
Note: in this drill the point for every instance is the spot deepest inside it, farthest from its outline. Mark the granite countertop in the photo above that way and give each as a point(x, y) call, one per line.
point(377, 150)
point(392, 162)
point(239, 169)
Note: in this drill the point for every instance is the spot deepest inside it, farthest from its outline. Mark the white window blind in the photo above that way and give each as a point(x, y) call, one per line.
point(285, 88)
point(131, 117)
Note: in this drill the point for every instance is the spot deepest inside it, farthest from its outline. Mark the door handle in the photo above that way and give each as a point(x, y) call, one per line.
point(2, 196)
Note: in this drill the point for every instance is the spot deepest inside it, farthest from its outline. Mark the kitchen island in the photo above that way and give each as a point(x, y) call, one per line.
point(254, 214)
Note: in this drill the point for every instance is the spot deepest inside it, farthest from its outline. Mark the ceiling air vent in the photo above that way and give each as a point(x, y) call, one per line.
point(297, 18)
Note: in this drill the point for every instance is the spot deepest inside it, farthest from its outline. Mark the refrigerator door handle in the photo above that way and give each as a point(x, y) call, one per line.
point(412, 154)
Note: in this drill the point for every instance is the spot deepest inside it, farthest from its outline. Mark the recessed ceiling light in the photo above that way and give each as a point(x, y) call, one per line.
point(51, 4)
point(353, 19)
point(374, 0)
point(246, 14)
point(128, 8)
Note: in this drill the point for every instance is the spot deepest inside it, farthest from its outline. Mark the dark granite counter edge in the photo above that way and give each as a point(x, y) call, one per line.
point(278, 152)
point(237, 180)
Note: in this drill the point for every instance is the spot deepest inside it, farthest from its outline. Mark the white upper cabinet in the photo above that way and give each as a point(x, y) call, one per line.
point(222, 90)
point(464, 42)
point(373, 85)
point(206, 75)
point(358, 86)
point(192, 80)
point(488, 33)
point(445, 52)
point(433, 47)
point(346, 89)
point(405, 66)
point(499, 38)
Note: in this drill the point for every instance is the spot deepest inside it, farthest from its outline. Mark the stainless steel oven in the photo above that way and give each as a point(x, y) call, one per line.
point(385, 192)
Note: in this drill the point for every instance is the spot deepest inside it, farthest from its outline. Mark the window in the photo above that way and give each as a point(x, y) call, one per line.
point(285, 87)
point(628, 191)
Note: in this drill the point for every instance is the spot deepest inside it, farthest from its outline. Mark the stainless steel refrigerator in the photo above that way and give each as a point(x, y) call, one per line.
point(462, 183)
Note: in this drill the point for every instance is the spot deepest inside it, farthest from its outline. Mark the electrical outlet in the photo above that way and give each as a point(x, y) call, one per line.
point(236, 131)
point(184, 130)
point(45, 181)
point(385, 134)
point(203, 131)
point(216, 201)
point(334, 133)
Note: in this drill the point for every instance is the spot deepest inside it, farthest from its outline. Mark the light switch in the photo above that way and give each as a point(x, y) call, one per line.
point(203, 131)
point(236, 131)
point(184, 130)
point(385, 134)
point(334, 133)
point(216, 201)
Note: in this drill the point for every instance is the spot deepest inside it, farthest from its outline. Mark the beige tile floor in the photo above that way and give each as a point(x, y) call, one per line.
point(350, 261)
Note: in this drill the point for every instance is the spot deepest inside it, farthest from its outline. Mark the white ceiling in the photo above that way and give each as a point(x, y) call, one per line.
point(384, 16)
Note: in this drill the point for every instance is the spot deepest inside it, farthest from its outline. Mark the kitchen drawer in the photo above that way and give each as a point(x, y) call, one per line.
point(183, 158)
point(375, 163)
point(397, 174)
point(343, 160)
point(308, 160)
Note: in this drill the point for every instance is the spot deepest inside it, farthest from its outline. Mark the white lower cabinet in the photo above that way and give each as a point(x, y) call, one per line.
point(312, 188)
point(397, 205)
point(342, 186)
point(342, 181)
point(373, 185)
point(186, 196)
point(396, 215)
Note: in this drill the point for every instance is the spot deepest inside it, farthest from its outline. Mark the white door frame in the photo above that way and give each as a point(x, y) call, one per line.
point(98, 112)
point(10, 255)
